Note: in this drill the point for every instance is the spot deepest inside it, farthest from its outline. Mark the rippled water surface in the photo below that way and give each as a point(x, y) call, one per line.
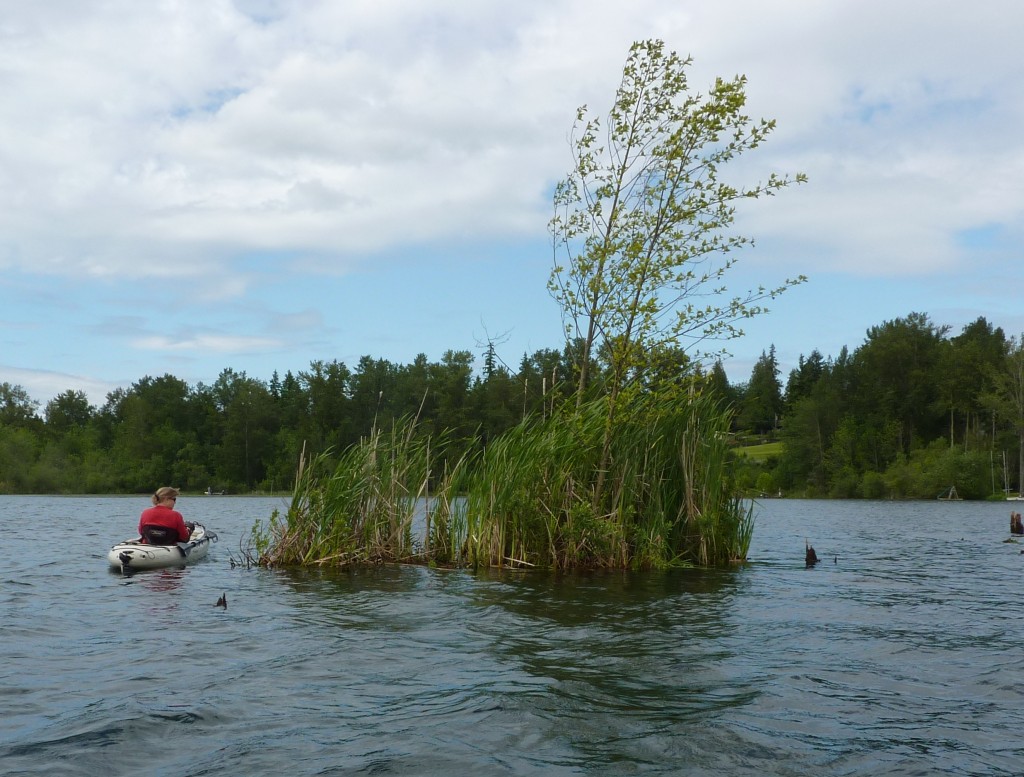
point(901, 653)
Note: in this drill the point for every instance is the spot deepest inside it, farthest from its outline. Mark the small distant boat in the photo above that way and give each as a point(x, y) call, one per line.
point(950, 496)
point(134, 555)
point(1017, 498)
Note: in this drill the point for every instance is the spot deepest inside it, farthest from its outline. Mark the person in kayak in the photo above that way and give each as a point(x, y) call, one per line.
point(161, 524)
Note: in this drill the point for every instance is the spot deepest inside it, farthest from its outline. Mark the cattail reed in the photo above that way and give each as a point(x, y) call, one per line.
point(534, 497)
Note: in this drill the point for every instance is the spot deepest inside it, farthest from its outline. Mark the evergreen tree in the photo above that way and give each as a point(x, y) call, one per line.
point(762, 402)
point(803, 379)
point(717, 382)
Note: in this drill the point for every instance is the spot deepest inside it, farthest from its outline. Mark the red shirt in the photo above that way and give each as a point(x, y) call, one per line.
point(161, 515)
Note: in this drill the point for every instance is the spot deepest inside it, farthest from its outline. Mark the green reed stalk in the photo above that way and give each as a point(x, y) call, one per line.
point(359, 511)
point(666, 497)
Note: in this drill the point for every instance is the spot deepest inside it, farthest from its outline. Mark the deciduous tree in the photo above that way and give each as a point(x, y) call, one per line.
point(641, 229)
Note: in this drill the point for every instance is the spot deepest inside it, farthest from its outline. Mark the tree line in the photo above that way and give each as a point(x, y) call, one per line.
point(909, 413)
point(245, 434)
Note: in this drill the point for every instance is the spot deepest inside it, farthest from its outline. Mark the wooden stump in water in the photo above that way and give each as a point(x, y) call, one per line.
point(810, 557)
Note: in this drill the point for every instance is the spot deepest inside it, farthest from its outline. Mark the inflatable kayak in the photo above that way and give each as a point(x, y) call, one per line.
point(133, 555)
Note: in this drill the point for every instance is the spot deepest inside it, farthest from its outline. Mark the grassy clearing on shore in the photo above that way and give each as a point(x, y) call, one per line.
point(760, 452)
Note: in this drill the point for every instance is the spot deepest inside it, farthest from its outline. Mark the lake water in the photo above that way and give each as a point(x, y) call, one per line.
point(900, 654)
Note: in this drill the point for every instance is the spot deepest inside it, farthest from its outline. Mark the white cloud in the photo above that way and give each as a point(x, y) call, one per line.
point(205, 343)
point(328, 128)
point(189, 145)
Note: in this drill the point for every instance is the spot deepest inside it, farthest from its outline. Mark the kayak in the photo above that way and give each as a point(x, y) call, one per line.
point(133, 555)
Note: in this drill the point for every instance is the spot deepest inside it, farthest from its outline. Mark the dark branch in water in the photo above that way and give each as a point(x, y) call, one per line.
point(810, 557)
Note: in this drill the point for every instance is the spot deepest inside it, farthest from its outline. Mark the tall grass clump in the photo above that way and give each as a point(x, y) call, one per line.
point(538, 496)
point(355, 511)
point(535, 496)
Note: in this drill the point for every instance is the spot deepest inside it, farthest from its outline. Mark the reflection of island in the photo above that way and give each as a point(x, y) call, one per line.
point(650, 645)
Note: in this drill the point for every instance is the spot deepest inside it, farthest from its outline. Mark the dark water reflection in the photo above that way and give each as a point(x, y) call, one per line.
point(899, 654)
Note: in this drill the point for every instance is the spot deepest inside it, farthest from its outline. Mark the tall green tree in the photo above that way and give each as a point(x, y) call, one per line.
point(641, 229)
point(542, 382)
point(1009, 394)
point(67, 411)
point(17, 408)
point(450, 381)
point(250, 428)
point(642, 225)
point(495, 402)
point(804, 377)
point(762, 401)
point(291, 412)
point(148, 424)
point(967, 365)
point(895, 374)
point(810, 424)
point(373, 393)
point(412, 389)
point(717, 382)
point(327, 386)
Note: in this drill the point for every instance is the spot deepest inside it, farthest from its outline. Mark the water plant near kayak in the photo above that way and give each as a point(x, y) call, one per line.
point(534, 497)
point(358, 508)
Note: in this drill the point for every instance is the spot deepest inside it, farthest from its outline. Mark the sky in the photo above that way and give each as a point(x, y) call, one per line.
point(193, 185)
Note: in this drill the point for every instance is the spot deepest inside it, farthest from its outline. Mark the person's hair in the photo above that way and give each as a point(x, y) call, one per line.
point(165, 492)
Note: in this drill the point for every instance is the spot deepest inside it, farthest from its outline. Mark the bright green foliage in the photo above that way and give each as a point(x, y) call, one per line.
point(526, 500)
point(641, 224)
point(641, 233)
point(930, 471)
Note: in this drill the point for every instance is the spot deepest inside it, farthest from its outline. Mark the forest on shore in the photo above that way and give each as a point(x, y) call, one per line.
point(909, 413)
point(912, 412)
